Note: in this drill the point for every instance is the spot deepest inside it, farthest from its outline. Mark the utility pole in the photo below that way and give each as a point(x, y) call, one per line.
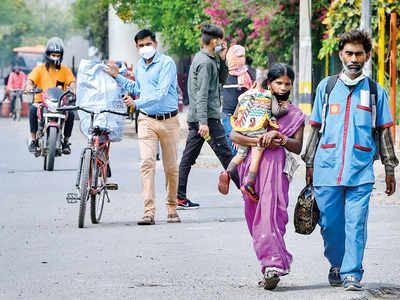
point(305, 55)
point(366, 11)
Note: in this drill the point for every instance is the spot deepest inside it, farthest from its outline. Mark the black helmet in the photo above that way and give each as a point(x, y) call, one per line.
point(306, 212)
point(54, 45)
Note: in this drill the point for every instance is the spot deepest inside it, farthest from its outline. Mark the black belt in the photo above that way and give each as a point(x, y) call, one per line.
point(162, 116)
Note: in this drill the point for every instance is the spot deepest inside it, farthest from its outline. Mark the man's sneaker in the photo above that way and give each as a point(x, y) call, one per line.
point(351, 283)
point(334, 277)
point(186, 204)
point(33, 146)
point(66, 149)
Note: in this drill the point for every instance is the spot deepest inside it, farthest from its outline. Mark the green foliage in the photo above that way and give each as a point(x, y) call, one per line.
point(266, 28)
point(344, 15)
point(15, 21)
point(91, 16)
point(178, 21)
point(23, 25)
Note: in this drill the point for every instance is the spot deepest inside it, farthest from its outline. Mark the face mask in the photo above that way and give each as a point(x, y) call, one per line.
point(55, 61)
point(17, 72)
point(351, 82)
point(282, 97)
point(147, 52)
point(218, 48)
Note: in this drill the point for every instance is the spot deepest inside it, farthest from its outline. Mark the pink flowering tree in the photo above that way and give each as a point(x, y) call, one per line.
point(266, 28)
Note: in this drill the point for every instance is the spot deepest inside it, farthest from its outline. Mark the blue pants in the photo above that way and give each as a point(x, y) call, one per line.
point(343, 221)
point(226, 122)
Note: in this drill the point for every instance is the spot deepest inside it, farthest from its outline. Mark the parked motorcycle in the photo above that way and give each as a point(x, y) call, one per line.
point(51, 123)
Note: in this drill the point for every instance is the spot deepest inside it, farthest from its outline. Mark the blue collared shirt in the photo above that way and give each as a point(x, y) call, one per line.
point(155, 85)
point(345, 153)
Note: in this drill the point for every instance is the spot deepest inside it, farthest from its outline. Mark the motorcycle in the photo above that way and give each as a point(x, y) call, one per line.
point(51, 123)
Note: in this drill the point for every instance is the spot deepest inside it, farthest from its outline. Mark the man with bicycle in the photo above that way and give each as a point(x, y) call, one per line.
point(16, 81)
point(156, 82)
point(48, 75)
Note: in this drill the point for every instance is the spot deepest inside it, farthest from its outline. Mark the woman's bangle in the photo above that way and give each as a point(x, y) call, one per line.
point(284, 140)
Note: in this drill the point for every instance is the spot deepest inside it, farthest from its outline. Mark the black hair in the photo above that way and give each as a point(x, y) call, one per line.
point(144, 33)
point(209, 32)
point(356, 36)
point(276, 71)
point(249, 60)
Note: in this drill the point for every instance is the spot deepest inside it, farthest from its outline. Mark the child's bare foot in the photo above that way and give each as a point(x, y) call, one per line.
point(223, 185)
point(250, 190)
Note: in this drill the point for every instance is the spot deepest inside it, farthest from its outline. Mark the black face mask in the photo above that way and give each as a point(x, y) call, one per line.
point(17, 72)
point(282, 97)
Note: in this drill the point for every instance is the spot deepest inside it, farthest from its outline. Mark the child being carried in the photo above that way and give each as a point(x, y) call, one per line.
point(257, 110)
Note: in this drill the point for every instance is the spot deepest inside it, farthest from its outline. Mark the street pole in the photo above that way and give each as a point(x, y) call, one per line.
point(393, 70)
point(366, 10)
point(305, 55)
point(381, 47)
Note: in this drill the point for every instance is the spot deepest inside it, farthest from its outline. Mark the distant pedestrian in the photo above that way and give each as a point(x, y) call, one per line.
point(156, 81)
point(350, 118)
point(240, 79)
point(207, 72)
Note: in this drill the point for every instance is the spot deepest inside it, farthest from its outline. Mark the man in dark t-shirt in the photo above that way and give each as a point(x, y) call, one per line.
point(231, 91)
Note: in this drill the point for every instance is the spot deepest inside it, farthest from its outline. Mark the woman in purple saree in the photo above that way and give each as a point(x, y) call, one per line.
point(267, 218)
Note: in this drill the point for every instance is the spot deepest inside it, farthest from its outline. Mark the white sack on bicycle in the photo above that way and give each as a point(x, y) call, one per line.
point(96, 90)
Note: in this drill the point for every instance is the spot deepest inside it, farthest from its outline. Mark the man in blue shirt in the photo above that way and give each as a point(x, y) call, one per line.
point(340, 155)
point(155, 85)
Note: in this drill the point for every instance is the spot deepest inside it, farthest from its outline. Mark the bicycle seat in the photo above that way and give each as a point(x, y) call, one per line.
point(101, 131)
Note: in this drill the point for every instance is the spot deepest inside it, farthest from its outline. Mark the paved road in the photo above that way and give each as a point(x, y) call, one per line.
point(43, 255)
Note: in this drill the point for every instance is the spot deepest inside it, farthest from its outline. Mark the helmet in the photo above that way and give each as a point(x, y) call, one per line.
point(306, 212)
point(54, 45)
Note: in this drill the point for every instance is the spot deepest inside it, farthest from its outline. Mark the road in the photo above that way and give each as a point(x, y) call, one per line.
point(44, 255)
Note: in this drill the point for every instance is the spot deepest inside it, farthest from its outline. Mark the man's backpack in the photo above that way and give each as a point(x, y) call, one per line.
point(373, 92)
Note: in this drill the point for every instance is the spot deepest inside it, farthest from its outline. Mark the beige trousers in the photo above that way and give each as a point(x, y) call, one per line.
point(150, 132)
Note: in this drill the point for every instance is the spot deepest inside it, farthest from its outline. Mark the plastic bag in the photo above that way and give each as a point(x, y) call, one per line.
point(96, 90)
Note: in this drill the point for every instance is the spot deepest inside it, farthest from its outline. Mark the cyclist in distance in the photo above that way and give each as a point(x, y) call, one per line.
point(16, 81)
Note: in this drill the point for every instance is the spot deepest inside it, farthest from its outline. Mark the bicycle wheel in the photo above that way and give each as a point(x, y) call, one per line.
point(97, 200)
point(84, 186)
point(18, 104)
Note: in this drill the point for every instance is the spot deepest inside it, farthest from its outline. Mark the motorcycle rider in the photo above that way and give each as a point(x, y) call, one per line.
point(16, 81)
point(51, 74)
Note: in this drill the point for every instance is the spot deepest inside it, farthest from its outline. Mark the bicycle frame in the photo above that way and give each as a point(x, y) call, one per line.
point(96, 147)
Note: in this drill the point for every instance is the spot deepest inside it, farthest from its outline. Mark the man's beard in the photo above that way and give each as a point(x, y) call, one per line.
point(353, 69)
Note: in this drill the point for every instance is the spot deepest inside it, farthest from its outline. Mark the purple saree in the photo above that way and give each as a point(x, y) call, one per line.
point(267, 218)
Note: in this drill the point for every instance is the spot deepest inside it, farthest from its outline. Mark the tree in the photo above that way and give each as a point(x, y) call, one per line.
point(91, 16)
point(266, 28)
point(178, 21)
point(15, 21)
point(345, 15)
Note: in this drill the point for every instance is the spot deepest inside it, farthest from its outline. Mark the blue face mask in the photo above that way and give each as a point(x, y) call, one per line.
point(218, 48)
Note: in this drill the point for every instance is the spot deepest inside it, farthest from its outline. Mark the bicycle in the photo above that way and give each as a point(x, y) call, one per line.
point(16, 96)
point(93, 170)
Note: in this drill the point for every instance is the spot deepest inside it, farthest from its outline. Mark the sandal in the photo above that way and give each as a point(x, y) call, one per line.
point(250, 191)
point(173, 218)
point(223, 185)
point(271, 280)
point(147, 220)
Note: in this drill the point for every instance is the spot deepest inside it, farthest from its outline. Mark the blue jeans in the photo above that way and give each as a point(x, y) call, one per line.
point(226, 122)
point(343, 221)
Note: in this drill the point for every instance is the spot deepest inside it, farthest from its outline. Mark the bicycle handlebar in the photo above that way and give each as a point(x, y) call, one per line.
point(69, 108)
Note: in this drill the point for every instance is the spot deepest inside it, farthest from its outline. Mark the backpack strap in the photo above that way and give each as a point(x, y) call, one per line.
point(373, 92)
point(328, 89)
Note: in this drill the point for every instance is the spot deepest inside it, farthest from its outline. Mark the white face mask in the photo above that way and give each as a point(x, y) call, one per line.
point(147, 52)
